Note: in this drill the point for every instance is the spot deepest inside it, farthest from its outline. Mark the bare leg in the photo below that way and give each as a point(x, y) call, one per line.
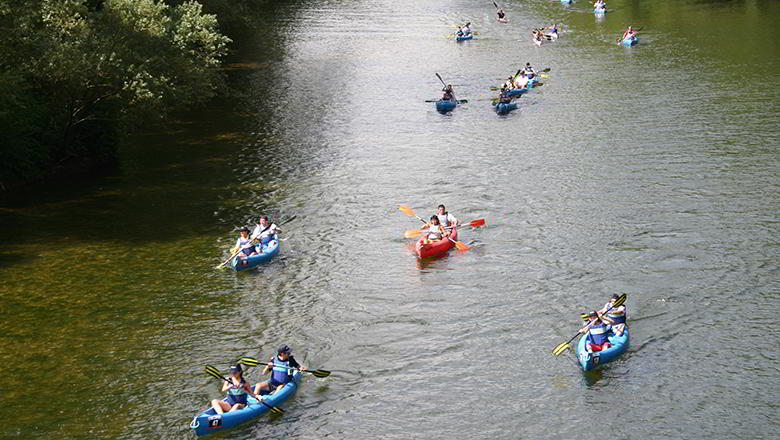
point(262, 386)
point(236, 406)
point(220, 406)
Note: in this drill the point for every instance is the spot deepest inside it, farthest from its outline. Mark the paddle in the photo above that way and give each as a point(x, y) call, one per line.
point(252, 241)
point(409, 211)
point(460, 101)
point(560, 348)
point(213, 371)
point(252, 362)
point(411, 233)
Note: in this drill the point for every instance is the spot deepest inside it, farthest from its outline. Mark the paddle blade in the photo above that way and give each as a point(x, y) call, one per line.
point(407, 210)
point(213, 371)
point(619, 302)
point(477, 222)
point(250, 362)
point(274, 410)
point(320, 373)
point(461, 246)
point(584, 317)
point(560, 348)
point(412, 233)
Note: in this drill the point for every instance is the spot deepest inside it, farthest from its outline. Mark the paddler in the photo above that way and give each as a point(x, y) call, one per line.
point(629, 32)
point(445, 218)
point(500, 12)
point(237, 388)
point(467, 29)
point(244, 243)
point(597, 330)
point(265, 230)
point(614, 316)
point(433, 230)
point(529, 71)
point(281, 368)
point(449, 94)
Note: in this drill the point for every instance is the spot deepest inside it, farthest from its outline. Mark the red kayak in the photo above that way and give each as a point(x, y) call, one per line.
point(437, 247)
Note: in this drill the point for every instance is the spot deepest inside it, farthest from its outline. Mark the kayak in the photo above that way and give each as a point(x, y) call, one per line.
point(517, 92)
point(537, 41)
point(503, 20)
point(209, 422)
point(425, 250)
point(446, 106)
point(600, 11)
point(568, 2)
point(590, 361)
point(268, 252)
point(504, 108)
point(464, 37)
point(630, 41)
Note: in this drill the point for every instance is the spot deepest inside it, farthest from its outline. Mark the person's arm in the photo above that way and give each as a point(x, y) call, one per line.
point(295, 364)
point(268, 367)
point(225, 386)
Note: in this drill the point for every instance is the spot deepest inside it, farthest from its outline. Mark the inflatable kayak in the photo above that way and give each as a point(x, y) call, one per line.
point(504, 108)
point(566, 2)
point(517, 92)
point(464, 37)
point(446, 106)
point(265, 253)
point(425, 250)
point(589, 361)
point(209, 422)
point(600, 11)
point(630, 41)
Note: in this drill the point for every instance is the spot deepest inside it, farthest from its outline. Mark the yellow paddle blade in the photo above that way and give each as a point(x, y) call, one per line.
point(560, 348)
point(412, 233)
point(407, 210)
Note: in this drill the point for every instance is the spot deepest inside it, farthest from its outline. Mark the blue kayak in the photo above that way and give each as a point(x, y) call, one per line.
point(568, 2)
point(464, 37)
point(446, 106)
point(600, 11)
point(504, 108)
point(517, 92)
point(630, 41)
point(589, 361)
point(265, 253)
point(208, 422)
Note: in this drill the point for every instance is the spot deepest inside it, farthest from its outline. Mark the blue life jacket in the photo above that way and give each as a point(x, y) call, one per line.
point(598, 333)
point(280, 374)
point(618, 318)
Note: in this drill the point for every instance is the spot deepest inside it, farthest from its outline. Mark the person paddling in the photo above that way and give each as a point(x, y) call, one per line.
point(537, 37)
point(597, 332)
point(445, 218)
point(467, 29)
point(281, 368)
point(237, 388)
point(433, 230)
point(600, 4)
point(529, 71)
point(265, 230)
point(500, 13)
point(449, 94)
point(503, 96)
point(630, 32)
point(244, 244)
point(614, 316)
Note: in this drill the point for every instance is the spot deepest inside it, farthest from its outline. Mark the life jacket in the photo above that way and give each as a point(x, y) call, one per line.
point(280, 374)
point(237, 390)
point(529, 72)
point(448, 96)
point(243, 241)
point(598, 333)
point(434, 232)
point(618, 316)
point(443, 219)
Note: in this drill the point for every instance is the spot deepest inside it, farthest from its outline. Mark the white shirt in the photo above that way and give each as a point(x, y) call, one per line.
point(241, 242)
point(258, 229)
point(445, 218)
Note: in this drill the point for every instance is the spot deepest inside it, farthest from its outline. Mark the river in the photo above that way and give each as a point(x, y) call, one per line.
point(650, 171)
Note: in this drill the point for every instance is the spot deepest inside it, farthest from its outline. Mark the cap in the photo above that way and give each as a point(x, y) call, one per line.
point(235, 368)
point(244, 229)
point(593, 314)
point(283, 349)
point(615, 296)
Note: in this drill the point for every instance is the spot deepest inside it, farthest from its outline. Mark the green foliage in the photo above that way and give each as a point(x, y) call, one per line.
point(79, 71)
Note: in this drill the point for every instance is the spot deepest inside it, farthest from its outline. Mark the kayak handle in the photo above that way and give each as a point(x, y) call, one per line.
point(195, 423)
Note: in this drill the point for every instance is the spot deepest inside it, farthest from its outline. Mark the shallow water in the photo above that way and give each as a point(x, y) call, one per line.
point(650, 171)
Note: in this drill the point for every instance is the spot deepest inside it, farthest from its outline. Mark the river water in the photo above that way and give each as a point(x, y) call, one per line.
point(650, 171)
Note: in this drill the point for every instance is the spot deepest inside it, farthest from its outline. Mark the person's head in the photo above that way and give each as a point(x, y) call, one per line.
point(434, 220)
point(527, 64)
point(244, 232)
point(283, 351)
point(264, 221)
point(614, 298)
point(593, 315)
point(441, 209)
point(236, 371)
